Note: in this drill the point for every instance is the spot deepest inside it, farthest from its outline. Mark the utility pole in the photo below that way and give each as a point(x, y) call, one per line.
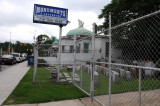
point(10, 44)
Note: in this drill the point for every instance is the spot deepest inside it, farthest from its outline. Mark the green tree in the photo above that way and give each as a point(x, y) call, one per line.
point(17, 47)
point(54, 39)
point(46, 39)
point(43, 38)
point(23, 47)
point(138, 40)
point(126, 10)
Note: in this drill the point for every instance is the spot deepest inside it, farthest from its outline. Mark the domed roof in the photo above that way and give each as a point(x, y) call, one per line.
point(80, 30)
point(56, 41)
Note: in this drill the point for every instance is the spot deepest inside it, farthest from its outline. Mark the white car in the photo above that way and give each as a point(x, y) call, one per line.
point(24, 56)
point(18, 57)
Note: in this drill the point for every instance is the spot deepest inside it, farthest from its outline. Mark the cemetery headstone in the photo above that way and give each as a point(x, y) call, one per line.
point(96, 79)
point(147, 71)
point(107, 72)
point(70, 68)
point(115, 76)
point(77, 79)
point(96, 67)
point(53, 75)
point(78, 67)
point(69, 79)
point(128, 76)
point(103, 70)
point(122, 73)
point(89, 70)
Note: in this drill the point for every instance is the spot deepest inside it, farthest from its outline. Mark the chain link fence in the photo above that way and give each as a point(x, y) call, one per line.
point(138, 66)
point(130, 72)
point(132, 75)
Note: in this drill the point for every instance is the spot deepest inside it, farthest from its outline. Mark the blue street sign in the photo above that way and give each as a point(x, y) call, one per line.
point(50, 15)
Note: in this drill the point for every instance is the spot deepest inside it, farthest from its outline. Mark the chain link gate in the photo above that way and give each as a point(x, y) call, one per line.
point(82, 74)
point(45, 58)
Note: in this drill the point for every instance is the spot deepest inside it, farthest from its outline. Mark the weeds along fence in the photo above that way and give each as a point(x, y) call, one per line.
point(129, 74)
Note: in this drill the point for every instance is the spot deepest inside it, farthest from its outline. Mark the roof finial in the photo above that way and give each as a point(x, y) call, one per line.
point(80, 23)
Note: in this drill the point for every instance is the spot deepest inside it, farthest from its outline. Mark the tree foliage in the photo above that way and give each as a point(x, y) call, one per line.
point(23, 47)
point(18, 47)
point(46, 39)
point(138, 40)
point(126, 10)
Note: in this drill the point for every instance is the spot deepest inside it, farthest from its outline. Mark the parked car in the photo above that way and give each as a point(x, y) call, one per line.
point(24, 56)
point(18, 57)
point(8, 59)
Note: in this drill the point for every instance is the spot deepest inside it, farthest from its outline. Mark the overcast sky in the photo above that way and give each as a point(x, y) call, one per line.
point(16, 18)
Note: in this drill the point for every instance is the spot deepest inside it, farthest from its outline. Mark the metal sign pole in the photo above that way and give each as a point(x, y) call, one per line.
point(35, 62)
point(59, 52)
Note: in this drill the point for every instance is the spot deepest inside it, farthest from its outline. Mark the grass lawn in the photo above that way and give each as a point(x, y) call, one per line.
point(121, 87)
point(47, 91)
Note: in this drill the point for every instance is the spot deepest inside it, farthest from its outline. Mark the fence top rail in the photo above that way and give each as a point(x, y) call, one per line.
point(55, 44)
point(83, 60)
point(66, 44)
point(125, 65)
point(132, 21)
point(140, 67)
point(131, 66)
point(56, 64)
point(47, 45)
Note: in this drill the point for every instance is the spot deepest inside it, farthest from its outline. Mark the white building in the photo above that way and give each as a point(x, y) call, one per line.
point(83, 47)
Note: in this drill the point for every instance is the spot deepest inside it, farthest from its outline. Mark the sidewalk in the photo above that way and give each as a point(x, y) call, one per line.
point(74, 102)
point(9, 79)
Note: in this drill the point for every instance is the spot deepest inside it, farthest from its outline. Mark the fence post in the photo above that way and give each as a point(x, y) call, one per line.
point(139, 98)
point(110, 41)
point(81, 76)
point(35, 62)
point(93, 63)
point(59, 52)
point(74, 67)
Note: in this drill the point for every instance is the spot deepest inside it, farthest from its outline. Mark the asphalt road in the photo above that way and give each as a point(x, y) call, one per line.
point(3, 67)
